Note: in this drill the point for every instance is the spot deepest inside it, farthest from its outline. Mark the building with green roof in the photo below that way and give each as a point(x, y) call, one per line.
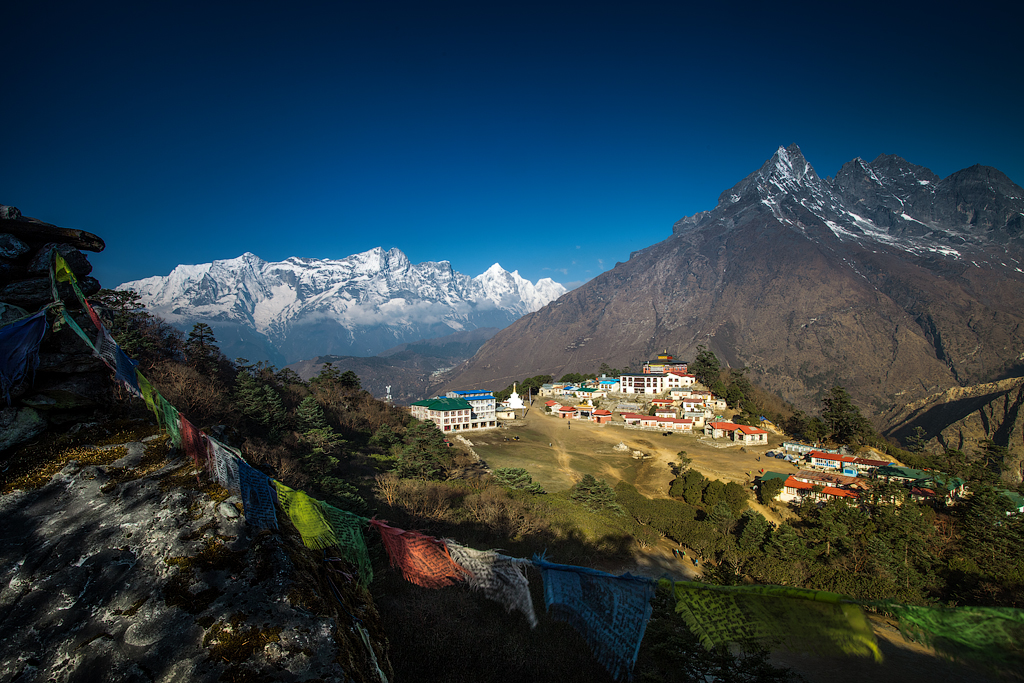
point(449, 414)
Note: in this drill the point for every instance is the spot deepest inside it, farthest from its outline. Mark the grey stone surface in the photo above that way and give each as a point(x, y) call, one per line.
point(94, 566)
point(11, 247)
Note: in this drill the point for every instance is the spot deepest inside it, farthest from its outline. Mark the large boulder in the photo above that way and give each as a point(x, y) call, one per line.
point(11, 247)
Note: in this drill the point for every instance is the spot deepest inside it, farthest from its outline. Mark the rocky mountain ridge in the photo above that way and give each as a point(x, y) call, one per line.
point(885, 279)
point(359, 305)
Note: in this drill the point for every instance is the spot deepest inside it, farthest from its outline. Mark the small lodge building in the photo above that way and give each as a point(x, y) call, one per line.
point(666, 424)
point(680, 379)
point(632, 418)
point(751, 436)
point(745, 434)
point(794, 491)
point(608, 384)
point(665, 412)
point(720, 430)
point(550, 390)
point(504, 412)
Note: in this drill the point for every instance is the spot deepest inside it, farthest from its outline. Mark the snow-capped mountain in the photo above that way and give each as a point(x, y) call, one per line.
point(973, 215)
point(885, 278)
point(359, 305)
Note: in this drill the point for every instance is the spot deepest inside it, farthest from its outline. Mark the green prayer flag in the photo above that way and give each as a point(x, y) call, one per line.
point(348, 530)
point(308, 517)
point(992, 637)
point(169, 415)
point(149, 394)
point(804, 620)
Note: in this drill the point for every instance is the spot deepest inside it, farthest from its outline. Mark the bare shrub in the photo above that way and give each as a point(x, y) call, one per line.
point(502, 513)
point(423, 499)
point(387, 487)
point(200, 398)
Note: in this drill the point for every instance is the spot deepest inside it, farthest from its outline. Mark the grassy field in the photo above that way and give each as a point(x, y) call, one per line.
point(557, 453)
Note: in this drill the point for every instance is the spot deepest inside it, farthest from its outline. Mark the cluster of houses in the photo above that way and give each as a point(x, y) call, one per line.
point(678, 406)
point(832, 474)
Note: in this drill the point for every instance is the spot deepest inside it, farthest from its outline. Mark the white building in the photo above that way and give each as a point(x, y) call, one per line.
point(482, 403)
point(644, 383)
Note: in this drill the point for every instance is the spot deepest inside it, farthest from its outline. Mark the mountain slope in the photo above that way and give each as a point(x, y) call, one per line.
point(360, 305)
point(884, 279)
point(965, 417)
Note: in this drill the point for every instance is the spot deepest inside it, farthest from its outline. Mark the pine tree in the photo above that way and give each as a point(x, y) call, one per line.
point(201, 350)
point(594, 494)
point(706, 366)
point(309, 416)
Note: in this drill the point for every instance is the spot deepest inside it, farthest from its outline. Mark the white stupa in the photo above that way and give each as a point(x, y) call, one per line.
point(515, 401)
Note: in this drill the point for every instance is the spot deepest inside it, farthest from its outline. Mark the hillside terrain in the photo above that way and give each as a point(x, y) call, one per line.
point(886, 279)
point(411, 370)
point(965, 418)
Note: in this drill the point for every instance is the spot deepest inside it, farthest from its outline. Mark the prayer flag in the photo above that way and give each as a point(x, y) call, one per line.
point(348, 530)
point(988, 636)
point(258, 495)
point(611, 612)
point(308, 517)
point(799, 619)
point(63, 274)
point(118, 361)
point(194, 443)
point(169, 416)
point(423, 560)
point(225, 465)
point(499, 577)
point(19, 350)
point(149, 395)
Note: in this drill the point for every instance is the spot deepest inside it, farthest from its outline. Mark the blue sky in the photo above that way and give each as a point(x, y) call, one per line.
point(551, 138)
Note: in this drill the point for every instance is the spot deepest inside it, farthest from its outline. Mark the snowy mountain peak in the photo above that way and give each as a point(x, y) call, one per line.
point(359, 305)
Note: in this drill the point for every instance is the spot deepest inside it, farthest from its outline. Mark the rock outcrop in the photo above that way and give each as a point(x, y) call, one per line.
point(118, 561)
point(70, 382)
point(122, 566)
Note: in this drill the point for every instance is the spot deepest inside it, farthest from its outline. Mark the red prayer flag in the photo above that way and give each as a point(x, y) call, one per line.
point(423, 559)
